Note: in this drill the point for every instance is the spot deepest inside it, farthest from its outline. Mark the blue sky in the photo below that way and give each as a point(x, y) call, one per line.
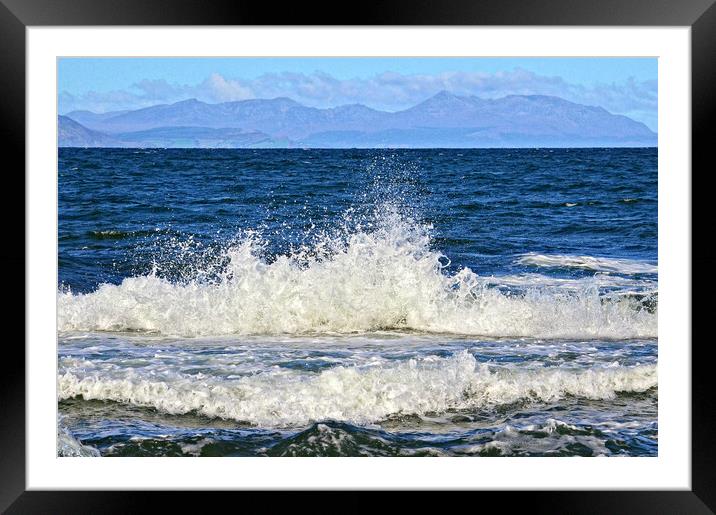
point(621, 85)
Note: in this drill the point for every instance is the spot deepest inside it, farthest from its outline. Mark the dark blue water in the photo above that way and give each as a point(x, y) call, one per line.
point(358, 302)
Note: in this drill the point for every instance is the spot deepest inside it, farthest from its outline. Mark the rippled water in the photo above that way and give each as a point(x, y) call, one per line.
point(344, 302)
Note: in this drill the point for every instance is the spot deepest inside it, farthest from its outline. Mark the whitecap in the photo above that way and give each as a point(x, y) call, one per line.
point(388, 278)
point(353, 394)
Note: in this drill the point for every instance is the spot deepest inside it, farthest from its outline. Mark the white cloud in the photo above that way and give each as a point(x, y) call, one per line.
point(220, 89)
point(388, 91)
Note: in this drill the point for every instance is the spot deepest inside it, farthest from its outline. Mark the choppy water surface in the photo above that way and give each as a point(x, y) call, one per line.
point(357, 303)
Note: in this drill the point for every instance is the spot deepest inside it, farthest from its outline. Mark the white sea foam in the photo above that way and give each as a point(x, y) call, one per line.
point(386, 278)
point(624, 285)
point(597, 264)
point(512, 440)
point(69, 446)
point(279, 397)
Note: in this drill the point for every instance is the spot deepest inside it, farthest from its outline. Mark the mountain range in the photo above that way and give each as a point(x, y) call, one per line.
point(443, 120)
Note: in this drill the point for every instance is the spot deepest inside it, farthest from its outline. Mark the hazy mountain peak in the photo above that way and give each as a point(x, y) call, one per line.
point(444, 96)
point(286, 100)
point(444, 119)
point(276, 101)
point(445, 100)
point(189, 102)
point(346, 108)
point(443, 93)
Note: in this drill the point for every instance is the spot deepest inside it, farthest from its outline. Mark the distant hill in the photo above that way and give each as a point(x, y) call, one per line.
point(72, 134)
point(200, 137)
point(444, 120)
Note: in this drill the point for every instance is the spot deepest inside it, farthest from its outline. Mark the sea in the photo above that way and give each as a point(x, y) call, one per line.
point(374, 302)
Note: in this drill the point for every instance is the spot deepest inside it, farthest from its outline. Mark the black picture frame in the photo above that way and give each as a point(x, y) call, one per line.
point(17, 15)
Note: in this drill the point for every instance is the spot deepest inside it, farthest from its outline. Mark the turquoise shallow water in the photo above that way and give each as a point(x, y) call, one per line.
point(343, 302)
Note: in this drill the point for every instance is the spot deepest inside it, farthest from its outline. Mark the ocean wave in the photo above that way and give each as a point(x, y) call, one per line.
point(624, 285)
point(352, 394)
point(552, 438)
point(69, 446)
point(388, 278)
point(596, 264)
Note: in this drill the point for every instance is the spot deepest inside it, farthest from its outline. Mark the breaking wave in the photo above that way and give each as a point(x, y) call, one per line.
point(353, 394)
point(596, 264)
point(385, 278)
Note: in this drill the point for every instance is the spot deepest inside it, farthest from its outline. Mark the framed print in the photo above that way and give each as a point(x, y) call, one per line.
point(449, 249)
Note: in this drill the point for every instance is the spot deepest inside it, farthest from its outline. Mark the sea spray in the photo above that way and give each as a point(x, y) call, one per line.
point(385, 277)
